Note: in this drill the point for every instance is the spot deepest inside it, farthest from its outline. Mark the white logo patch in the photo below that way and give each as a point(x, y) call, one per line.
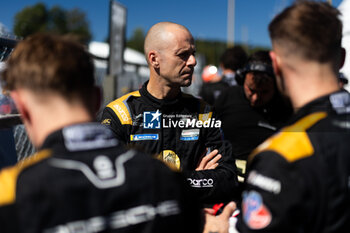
point(264, 182)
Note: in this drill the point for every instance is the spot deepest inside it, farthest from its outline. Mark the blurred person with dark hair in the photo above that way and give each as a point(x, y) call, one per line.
point(82, 179)
point(175, 127)
point(298, 179)
point(213, 85)
point(216, 82)
point(232, 60)
point(254, 110)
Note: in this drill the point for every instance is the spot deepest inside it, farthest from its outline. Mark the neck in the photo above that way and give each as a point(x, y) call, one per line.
point(46, 120)
point(159, 88)
point(309, 82)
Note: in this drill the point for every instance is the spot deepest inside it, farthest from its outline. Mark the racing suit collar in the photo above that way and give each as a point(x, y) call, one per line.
point(158, 103)
point(321, 104)
point(78, 137)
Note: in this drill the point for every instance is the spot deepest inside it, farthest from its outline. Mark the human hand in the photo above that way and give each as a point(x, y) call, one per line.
point(209, 161)
point(220, 223)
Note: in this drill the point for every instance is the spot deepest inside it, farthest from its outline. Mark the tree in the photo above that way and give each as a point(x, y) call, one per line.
point(136, 40)
point(77, 24)
point(30, 20)
point(38, 18)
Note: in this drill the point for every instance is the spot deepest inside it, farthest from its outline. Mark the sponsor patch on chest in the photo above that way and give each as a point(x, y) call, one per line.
point(143, 137)
point(151, 120)
point(189, 135)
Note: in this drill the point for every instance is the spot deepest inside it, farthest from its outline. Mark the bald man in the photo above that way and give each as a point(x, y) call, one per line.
point(177, 128)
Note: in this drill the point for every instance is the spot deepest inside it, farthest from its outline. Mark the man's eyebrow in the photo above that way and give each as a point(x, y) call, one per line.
point(184, 50)
point(181, 50)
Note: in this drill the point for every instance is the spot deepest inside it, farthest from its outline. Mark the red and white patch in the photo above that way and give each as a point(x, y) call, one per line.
point(255, 214)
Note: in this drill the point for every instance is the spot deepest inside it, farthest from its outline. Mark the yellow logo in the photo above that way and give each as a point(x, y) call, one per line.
point(170, 158)
point(106, 122)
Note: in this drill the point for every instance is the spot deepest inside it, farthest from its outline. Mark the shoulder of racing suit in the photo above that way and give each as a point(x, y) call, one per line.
point(292, 142)
point(121, 108)
point(9, 176)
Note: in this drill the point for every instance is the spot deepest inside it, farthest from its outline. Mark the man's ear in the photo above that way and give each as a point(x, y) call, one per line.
point(153, 59)
point(275, 63)
point(20, 105)
point(343, 55)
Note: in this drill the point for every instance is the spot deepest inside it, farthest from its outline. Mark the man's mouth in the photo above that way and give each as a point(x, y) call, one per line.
point(190, 73)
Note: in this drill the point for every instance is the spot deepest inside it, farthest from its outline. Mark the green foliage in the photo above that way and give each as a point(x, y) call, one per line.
point(136, 40)
point(38, 18)
point(30, 20)
point(212, 50)
point(77, 24)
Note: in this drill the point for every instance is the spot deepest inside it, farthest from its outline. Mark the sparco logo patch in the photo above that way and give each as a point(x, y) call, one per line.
point(201, 183)
point(122, 113)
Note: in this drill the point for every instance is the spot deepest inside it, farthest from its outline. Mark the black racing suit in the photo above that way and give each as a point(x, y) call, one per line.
point(211, 91)
point(246, 126)
point(177, 131)
point(83, 180)
point(298, 180)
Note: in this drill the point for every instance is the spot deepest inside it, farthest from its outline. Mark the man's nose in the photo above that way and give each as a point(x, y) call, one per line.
point(192, 60)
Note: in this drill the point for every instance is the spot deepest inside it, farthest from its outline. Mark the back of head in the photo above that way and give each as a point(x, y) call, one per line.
point(51, 64)
point(233, 58)
point(310, 30)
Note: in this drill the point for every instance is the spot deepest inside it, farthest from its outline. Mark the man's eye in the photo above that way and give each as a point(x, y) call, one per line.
point(183, 55)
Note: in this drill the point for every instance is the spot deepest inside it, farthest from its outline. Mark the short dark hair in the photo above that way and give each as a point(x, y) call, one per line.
point(44, 62)
point(312, 30)
point(262, 57)
point(233, 58)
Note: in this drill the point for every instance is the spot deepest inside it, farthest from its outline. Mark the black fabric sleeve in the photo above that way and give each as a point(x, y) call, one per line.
point(272, 197)
point(8, 219)
point(220, 103)
point(110, 119)
point(222, 183)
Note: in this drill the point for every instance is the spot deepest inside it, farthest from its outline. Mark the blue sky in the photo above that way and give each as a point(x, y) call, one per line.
point(206, 19)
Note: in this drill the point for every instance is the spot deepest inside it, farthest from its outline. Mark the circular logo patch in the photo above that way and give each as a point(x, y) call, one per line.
point(255, 213)
point(170, 158)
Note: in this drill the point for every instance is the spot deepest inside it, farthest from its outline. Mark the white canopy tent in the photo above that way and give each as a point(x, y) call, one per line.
point(101, 49)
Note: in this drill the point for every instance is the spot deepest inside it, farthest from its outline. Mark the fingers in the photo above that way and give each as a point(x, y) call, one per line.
point(211, 155)
point(202, 162)
point(213, 162)
point(228, 210)
point(209, 161)
point(209, 211)
point(219, 224)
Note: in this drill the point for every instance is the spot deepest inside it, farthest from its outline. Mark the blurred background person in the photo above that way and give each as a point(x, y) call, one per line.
point(232, 60)
point(213, 85)
point(215, 80)
point(253, 110)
